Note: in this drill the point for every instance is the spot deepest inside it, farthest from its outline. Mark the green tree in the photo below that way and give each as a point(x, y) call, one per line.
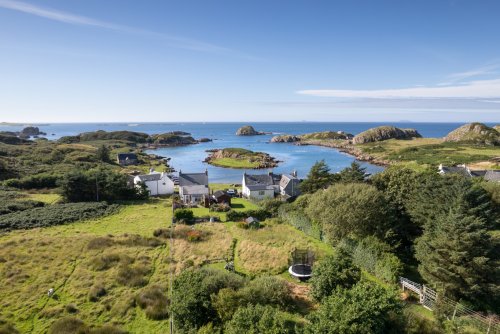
point(355, 209)
point(365, 309)
point(333, 271)
point(319, 177)
point(458, 257)
point(259, 319)
point(102, 153)
point(191, 303)
point(354, 173)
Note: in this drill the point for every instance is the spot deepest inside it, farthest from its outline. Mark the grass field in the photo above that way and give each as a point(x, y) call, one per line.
point(74, 259)
point(237, 204)
point(431, 151)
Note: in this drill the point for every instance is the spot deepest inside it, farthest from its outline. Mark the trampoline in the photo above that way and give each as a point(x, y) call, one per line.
point(301, 262)
point(301, 271)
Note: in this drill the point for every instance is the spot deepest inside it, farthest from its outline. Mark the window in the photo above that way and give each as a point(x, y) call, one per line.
point(262, 193)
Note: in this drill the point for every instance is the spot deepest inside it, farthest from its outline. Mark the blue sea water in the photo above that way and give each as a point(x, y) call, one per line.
point(293, 157)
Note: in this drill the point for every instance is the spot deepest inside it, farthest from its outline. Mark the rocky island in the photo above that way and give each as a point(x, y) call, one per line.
point(240, 158)
point(168, 139)
point(248, 130)
point(475, 133)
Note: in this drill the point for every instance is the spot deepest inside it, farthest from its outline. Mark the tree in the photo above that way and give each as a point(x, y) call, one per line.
point(355, 173)
point(259, 319)
point(355, 209)
point(191, 303)
point(319, 177)
point(102, 153)
point(364, 309)
point(458, 258)
point(333, 271)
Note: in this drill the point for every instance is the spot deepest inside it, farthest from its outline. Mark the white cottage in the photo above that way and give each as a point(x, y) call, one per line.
point(156, 183)
point(260, 186)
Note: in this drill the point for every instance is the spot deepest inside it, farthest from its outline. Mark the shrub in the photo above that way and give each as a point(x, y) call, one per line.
point(37, 181)
point(243, 225)
point(68, 325)
point(133, 276)
point(194, 235)
point(267, 290)
point(57, 214)
point(184, 216)
point(154, 302)
point(260, 319)
point(106, 261)
point(220, 207)
point(100, 243)
point(96, 292)
point(6, 328)
point(331, 272)
point(71, 308)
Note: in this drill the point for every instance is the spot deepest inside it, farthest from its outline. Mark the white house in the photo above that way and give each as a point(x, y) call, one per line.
point(157, 183)
point(260, 186)
point(193, 188)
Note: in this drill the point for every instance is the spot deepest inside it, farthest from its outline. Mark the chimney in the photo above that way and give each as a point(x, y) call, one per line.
point(206, 171)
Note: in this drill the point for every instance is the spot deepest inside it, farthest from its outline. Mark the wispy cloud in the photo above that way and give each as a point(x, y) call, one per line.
point(475, 73)
point(69, 18)
point(469, 90)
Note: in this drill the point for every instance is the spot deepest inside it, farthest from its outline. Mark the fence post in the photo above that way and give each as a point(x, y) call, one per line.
point(422, 296)
point(454, 312)
point(489, 325)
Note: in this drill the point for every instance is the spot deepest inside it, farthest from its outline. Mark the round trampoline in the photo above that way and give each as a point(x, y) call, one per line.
point(301, 271)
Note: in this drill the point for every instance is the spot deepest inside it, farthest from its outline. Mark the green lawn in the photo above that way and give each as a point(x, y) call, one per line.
point(48, 198)
point(234, 163)
point(237, 204)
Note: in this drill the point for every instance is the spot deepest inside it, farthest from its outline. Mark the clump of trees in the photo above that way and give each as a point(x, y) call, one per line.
point(101, 184)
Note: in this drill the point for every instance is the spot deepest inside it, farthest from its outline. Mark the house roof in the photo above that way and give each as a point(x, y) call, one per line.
point(478, 172)
point(286, 178)
point(193, 179)
point(220, 193)
point(268, 179)
point(455, 170)
point(195, 190)
point(124, 156)
point(151, 177)
point(250, 220)
point(492, 175)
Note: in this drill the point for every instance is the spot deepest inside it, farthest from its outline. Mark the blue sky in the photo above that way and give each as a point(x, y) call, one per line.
point(120, 60)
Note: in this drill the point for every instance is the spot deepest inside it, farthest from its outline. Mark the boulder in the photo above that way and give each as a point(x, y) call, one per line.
point(31, 131)
point(384, 133)
point(476, 133)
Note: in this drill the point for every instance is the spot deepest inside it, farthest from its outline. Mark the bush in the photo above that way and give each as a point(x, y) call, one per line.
point(191, 299)
point(235, 216)
point(57, 214)
point(71, 308)
point(154, 302)
point(133, 276)
point(260, 319)
point(243, 225)
point(37, 181)
point(6, 328)
point(331, 272)
point(68, 325)
point(184, 216)
point(96, 292)
point(220, 207)
point(106, 261)
point(194, 235)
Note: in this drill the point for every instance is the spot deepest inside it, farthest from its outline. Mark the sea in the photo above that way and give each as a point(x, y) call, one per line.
point(190, 158)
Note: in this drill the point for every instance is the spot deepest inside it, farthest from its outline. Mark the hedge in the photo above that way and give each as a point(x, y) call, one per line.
point(57, 214)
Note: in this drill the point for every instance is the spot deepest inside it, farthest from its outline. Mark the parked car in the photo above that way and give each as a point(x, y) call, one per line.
point(232, 192)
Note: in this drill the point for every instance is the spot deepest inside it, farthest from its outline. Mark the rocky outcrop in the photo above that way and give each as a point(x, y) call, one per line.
point(384, 133)
point(476, 133)
point(326, 135)
point(248, 130)
point(11, 138)
point(204, 140)
point(31, 131)
point(285, 139)
point(497, 127)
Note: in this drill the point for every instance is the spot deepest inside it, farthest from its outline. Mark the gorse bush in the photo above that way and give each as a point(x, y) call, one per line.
point(57, 214)
point(185, 216)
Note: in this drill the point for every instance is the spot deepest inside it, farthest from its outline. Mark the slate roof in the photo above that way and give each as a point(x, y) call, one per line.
point(195, 190)
point(268, 179)
point(492, 175)
point(219, 193)
point(124, 156)
point(193, 179)
point(251, 220)
point(150, 177)
point(290, 184)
